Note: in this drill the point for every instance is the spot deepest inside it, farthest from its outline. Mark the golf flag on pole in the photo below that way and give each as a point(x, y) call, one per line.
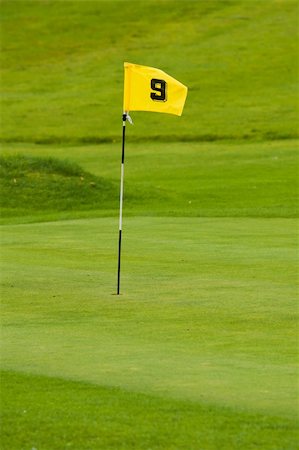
point(150, 89)
point(146, 89)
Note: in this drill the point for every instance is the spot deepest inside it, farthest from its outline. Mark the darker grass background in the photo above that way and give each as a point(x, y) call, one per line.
point(30, 184)
point(162, 179)
point(62, 71)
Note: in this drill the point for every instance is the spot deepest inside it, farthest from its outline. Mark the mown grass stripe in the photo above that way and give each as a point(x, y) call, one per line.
point(54, 413)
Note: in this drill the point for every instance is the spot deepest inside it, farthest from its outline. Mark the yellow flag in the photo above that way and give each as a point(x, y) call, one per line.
point(150, 89)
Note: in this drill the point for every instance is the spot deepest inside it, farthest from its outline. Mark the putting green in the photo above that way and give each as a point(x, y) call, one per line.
point(207, 311)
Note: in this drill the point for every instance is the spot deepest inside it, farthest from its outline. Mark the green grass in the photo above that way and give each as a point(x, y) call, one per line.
point(209, 315)
point(174, 179)
point(62, 68)
point(200, 351)
point(31, 184)
point(39, 404)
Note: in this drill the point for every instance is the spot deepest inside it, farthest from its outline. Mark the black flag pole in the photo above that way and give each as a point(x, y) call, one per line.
point(121, 199)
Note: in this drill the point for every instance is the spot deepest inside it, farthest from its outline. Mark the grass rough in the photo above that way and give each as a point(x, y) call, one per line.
point(30, 184)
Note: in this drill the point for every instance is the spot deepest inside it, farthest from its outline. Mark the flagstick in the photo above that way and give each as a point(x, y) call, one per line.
point(121, 197)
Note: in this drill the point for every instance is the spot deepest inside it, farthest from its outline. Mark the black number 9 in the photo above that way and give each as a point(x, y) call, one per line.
point(159, 86)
